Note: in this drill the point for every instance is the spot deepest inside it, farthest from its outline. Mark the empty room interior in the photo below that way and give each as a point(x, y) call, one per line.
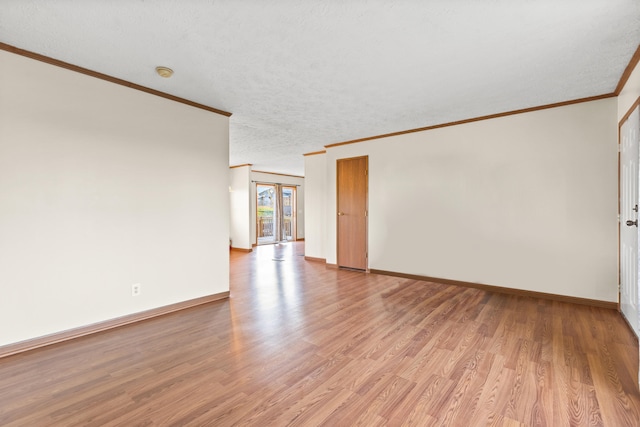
point(375, 213)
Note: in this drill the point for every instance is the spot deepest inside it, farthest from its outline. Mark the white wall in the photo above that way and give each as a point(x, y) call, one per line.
point(240, 197)
point(101, 187)
point(527, 201)
point(629, 93)
point(315, 168)
point(275, 178)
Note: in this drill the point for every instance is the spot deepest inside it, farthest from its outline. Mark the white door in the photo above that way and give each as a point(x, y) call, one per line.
point(629, 141)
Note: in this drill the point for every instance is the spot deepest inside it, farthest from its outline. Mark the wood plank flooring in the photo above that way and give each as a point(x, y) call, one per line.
point(298, 344)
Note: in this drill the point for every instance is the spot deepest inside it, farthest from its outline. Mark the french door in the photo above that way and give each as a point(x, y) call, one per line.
point(289, 212)
point(266, 220)
point(275, 213)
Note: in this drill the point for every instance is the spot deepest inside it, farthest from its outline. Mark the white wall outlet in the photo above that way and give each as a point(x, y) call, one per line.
point(136, 289)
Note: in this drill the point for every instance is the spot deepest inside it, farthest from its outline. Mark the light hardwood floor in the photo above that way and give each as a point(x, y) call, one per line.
point(299, 344)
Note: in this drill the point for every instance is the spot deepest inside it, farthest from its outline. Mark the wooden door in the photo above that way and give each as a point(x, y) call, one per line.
point(629, 141)
point(352, 182)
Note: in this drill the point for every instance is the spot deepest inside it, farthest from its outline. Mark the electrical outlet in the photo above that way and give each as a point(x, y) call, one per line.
point(136, 289)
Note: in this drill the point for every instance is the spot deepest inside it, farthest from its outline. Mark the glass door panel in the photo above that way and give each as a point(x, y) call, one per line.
point(288, 212)
point(266, 212)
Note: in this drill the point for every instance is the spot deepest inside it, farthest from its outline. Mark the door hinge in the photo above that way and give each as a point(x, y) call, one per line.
point(366, 213)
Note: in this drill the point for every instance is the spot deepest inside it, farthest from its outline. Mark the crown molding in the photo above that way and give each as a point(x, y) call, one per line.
point(101, 76)
point(280, 174)
point(627, 71)
point(476, 119)
point(315, 153)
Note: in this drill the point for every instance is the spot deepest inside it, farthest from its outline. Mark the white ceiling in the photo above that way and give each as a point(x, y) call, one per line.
point(298, 75)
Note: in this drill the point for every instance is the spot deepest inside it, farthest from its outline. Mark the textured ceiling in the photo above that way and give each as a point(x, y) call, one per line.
point(298, 75)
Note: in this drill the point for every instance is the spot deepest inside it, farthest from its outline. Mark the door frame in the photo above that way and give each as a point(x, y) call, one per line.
point(366, 204)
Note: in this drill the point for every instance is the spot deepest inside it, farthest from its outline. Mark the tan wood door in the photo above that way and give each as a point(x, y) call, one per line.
point(352, 182)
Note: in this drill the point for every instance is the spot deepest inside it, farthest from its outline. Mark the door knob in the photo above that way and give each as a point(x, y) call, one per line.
point(632, 223)
point(340, 213)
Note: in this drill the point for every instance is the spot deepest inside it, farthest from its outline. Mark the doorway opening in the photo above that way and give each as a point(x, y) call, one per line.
point(275, 213)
